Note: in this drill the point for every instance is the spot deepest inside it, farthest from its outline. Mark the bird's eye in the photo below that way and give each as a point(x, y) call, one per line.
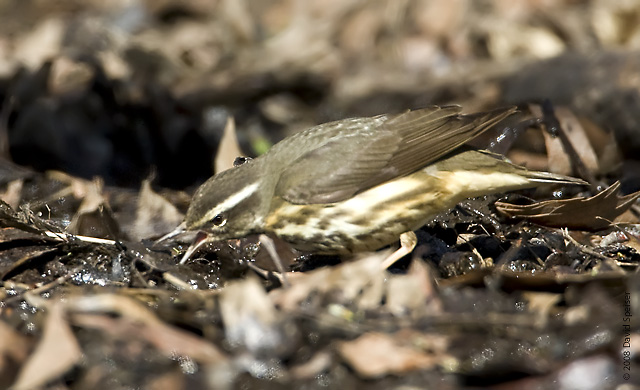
point(219, 220)
point(241, 160)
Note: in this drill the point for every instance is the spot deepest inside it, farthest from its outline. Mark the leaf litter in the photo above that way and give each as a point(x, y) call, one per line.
point(377, 323)
point(412, 320)
point(485, 299)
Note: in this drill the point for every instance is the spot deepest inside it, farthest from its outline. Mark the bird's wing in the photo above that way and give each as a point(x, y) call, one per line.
point(367, 156)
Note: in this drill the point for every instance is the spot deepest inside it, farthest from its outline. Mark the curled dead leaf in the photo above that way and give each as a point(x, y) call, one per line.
point(593, 213)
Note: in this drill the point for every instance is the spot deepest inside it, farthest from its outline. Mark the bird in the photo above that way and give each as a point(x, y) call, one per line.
point(358, 184)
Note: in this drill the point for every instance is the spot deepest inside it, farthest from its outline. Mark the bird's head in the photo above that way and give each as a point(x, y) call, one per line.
point(229, 204)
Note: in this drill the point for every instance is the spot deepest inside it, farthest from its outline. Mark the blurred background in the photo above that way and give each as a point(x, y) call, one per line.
point(112, 113)
point(123, 88)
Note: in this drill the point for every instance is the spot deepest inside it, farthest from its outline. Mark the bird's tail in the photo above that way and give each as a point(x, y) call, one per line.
point(552, 178)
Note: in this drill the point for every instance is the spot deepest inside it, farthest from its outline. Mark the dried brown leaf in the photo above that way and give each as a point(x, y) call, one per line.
point(14, 349)
point(69, 76)
point(605, 145)
point(321, 361)
point(137, 321)
point(56, 353)
point(303, 46)
point(228, 149)
point(359, 31)
point(533, 161)
point(510, 39)
point(41, 43)
point(633, 243)
point(155, 215)
point(593, 213)
point(13, 194)
point(345, 281)
point(413, 292)
point(439, 19)
point(374, 355)
point(558, 159)
point(250, 318)
point(93, 218)
point(578, 138)
point(238, 16)
point(541, 303)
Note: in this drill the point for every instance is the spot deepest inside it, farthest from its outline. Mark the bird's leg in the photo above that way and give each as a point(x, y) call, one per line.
point(408, 241)
point(268, 243)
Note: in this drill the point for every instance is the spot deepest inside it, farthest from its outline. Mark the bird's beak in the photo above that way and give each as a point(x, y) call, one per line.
point(177, 231)
point(201, 239)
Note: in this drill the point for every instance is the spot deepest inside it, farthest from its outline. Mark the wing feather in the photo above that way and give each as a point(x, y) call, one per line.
point(365, 157)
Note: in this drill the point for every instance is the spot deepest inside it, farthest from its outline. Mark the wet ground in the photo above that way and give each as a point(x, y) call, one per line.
point(112, 115)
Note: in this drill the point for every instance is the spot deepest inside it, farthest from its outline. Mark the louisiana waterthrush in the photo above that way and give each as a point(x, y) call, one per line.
point(358, 184)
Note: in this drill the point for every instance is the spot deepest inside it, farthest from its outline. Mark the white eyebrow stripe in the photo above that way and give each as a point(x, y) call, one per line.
point(233, 200)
